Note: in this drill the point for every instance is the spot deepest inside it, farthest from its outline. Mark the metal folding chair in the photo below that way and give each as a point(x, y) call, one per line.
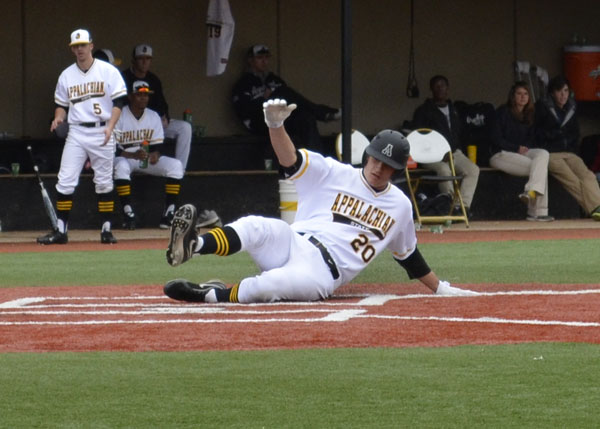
point(358, 144)
point(426, 147)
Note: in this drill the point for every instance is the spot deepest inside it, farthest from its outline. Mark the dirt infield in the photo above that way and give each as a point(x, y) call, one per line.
point(141, 318)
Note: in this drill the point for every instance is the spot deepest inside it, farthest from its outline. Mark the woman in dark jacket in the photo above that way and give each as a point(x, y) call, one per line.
point(557, 131)
point(514, 152)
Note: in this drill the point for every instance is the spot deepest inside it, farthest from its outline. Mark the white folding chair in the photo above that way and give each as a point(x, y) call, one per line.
point(358, 144)
point(426, 147)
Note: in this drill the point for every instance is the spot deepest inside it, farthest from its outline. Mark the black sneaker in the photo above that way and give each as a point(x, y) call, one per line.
point(129, 222)
point(457, 211)
point(166, 220)
point(106, 237)
point(54, 237)
point(183, 290)
point(334, 115)
point(325, 113)
point(183, 235)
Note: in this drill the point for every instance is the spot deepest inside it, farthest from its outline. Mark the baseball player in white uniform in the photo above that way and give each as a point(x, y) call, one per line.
point(346, 216)
point(136, 125)
point(180, 131)
point(89, 95)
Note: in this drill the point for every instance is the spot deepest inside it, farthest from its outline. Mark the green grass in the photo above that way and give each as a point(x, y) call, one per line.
point(535, 385)
point(528, 385)
point(560, 261)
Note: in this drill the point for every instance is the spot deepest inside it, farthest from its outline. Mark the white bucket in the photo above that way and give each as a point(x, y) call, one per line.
point(288, 200)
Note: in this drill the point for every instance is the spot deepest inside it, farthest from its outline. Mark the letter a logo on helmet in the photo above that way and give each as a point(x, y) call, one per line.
point(391, 148)
point(387, 151)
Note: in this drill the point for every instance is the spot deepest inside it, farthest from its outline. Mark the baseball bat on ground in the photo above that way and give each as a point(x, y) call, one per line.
point(48, 206)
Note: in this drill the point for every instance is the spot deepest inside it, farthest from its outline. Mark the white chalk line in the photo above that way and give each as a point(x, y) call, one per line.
point(368, 299)
point(486, 320)
point(157, 311)
point(333, 317)
point(31, 306)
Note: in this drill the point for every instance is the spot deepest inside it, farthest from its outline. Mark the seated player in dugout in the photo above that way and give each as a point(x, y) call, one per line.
point(136, 126)
point(346, 216)
point(142, 57)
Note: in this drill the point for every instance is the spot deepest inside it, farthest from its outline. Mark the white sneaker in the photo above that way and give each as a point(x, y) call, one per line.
point(540, 218)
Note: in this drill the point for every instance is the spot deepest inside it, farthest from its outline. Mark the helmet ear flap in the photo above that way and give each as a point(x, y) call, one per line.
point(365, 158)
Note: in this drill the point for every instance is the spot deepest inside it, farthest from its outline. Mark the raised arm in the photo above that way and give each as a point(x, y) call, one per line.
point(276, 112)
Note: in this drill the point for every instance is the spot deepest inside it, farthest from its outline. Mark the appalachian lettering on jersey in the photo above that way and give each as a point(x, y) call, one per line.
point(134, 136)
point(347, 208)
point(86, 90)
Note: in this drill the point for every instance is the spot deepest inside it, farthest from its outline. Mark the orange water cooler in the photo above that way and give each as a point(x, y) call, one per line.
point(582, 69)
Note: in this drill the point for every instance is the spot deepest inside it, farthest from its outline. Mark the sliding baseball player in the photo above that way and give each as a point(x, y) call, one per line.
point(346, 217)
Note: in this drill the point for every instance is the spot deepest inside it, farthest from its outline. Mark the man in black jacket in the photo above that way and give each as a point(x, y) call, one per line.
point(439, 114)
point(258, 85)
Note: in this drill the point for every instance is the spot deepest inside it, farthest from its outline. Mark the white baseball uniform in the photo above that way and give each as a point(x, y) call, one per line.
point(130, 132)
point(88, 96)
point(337, 207)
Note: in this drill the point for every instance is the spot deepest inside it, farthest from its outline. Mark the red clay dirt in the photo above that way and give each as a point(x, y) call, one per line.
point(141, 318)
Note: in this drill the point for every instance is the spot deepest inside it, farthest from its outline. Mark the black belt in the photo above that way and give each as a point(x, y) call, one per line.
point(326, 257)
point(92, 124)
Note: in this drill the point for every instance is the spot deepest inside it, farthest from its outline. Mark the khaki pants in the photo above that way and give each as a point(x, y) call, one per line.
point(533, 164)
point(576, 178)
point(464, 166)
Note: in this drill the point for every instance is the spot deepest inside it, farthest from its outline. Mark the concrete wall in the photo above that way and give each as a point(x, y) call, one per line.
point(473, 42)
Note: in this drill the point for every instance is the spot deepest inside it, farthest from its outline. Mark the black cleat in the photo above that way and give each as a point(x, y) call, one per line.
point(208, 219)
point(183, 290)
point(129, 221)
point(106, 237)
point(54, 237)
point(183, 235)
point(166, 221)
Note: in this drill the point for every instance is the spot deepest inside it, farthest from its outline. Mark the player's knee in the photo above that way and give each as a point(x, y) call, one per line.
point(177, 170)
point(184, 132)
point(65, 189)
point(104, 188)
point(122, 170)
point(186, 127)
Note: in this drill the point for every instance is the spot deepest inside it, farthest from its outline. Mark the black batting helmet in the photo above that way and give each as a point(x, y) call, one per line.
point(391, 148)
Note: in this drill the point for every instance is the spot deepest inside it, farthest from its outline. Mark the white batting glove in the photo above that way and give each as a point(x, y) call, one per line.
point(276, 111)
point(445, 289)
